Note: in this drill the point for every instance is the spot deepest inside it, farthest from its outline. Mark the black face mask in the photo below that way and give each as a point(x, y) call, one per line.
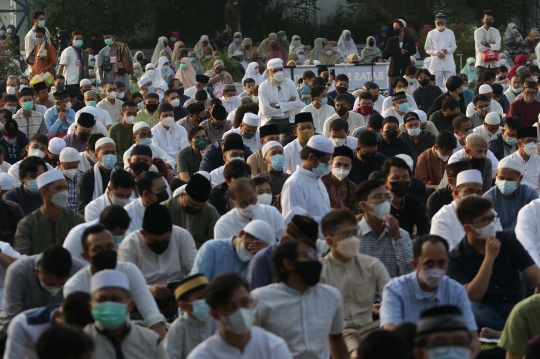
point(371, 43)
point(341, 89)
point(391, 135)
point(397, 32)
point(191, 210)
point(399, 188)
point(180, 91)
point(424, 82)
point(217, 126)
point(367, 158)
point(310, 272)
point(477, 163)
point(449, 118)
point(201, 119)
point(342, 111)
point(158, 247)
point(151, 107)
point(162, 196)
point(139, 167)
point(139, 58)
point(104, 260)
point(83, 136)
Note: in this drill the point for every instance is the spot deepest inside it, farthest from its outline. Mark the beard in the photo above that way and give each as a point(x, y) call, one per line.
point(274, 81)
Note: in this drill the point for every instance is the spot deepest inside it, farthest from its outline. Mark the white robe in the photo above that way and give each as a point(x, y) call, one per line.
point(93, 209)
point(446, 224)
point(319, 115)
point(436, 41)
point(157, 152)
point(292, 156)
point(230, 104)
point(170, 140)
point(231, 223)
point(494, 106)
point(253, 143)
point(268, 93)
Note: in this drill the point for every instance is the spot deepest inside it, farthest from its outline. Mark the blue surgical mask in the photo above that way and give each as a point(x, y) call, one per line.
point(414, 132)
point(151, 88)
point(201, 310)
point(118, 239)
point(324, 101)
point(284, 38)
point(91, 103)
point(32, 186)
point(78, 43)
point(449, 352)
point(321, 169)
point(510, 141)
point(93, 158)
point(108, 161)
point(328, 52)
point(403, 107)
point(277, 162)
point(518, 90)
point(145, 141)
point(140, 105)
point(506, 187)
point(256, 99)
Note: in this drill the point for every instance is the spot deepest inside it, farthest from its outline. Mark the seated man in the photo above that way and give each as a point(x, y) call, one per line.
point(122, 132)
point(521, 327)
point(406, 297)
point(488, 263)
point(68, 163)
point(389, 143)
point(505, 143)
point(233, 254)
point(27, 196)
point(347, 270)
point(37, 147)
point(280, 307)
point(462, 127)
point(268, 133)
point(168, 135)
point(343, 108)
point(12, 140)
point(172, 97)
point(191, 210)
point(243, 197)
point(119, 192)
point(233, 149)
point(508, 195)
point(219, 195)
point(248, 129)
point(419, 139)
point(197, 114)
point(189, 158)
point(432, 162)
point(274, 161)
point(36, 281)
point(399, 107)
point(142, 134)
point(304, 129)
point(213, 155)
point(340, 188)
point(339, 134)
point(526, 154)
point(217, 124)
point(443, 196)
point(443, 118)
point(366, 160)
point(58, 118)
point(491, 128)
point(84, 127)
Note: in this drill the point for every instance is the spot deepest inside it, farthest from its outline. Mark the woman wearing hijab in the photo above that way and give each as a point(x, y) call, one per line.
point(282, 39)
point(513, 42)
point(160, 86)
point(264, 47)
point(162, 44)
point(246, 48)
point(219, 78)
point(346, 45)
point(175, 36)
point(176, 55)
point(202, 48)
point(301, 54)
point(164, 69)
point(379, 39)
point(277, 51)
point(520, 60)
point(354, 59)
point(470, 70)
point(186, 73)
point(252, 72)
point(370, 51)
point(329, 56)
point(532, 40)
point(295, 44)
point(318, 49)
point(237, 41)
point(139, 56)
point(195, 63)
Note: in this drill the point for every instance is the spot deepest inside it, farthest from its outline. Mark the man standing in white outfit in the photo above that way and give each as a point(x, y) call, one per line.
point(441, 44)
point(486, 38)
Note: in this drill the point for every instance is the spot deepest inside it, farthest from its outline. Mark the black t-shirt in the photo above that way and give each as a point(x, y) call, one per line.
point(412, 212)
point(360, 171)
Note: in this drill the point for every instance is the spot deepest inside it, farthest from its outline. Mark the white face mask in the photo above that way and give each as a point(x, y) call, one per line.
point(265, 198)
point(120, 201)
point(340, 173)
point(432, 277)
point(338, 142)
point(151, 73)
point(488, 231)
point(59, 199)
point(243, 252)
point(250, 211)
point(239, 322)
point(349, 247)
point(441, 28)
point(278, 76)
point(52, 290)
point(168, 121)
point(70, 173)
point(36, 152)
point(380, 210)
point(175, 102)
point(444, 158)
point(120, 95)
point(68, 106)
point(130, 119)
point(236, 159)
point(11, 90)
point(112, 95)
point(530, 149)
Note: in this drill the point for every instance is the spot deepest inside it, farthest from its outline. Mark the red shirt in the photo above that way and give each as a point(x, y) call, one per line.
point(528, 113)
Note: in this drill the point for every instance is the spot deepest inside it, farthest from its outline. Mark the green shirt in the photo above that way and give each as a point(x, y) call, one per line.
point(151, 120)
point(440, 122)
point(201, 225)
point(188, 160)
point(522, 325)
point(123, 137)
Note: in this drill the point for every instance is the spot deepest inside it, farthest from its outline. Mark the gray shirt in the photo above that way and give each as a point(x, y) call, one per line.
point(22, 290)
point(186, 333)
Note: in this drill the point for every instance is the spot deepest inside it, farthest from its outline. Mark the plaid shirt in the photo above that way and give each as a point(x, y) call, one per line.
point(72, 203)
point(395, 255)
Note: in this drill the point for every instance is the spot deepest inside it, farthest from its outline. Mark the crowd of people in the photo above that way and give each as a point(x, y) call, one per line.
point(158, 212)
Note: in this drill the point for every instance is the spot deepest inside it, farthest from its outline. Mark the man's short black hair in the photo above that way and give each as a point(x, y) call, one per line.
point(128, 104)
point(63, 342)
point(488, 75)
point(260, 181)
point(306, 151)
point(458, 120)
point(399, 79)
point(122, 178)
point(446, 141)
point(44, 140)
point(287, 250)
point(411, 70)
point(488, 13)
point(95, 229)
point(417, 245)
point(363, 190)
point(339, 124)
point(221, 287)
point(30, 165)
point(422, 71)
point(114, 217)
point(512, 122)
point(342, 77)
point(330, 223)
point(247, 81)
point(502, 68)
point(471, 207)
point(56, 260)
point(365, 95)
point(367, 139)
point(10, 98)
point(453, 83)
point(316, 91)
point(76, 309)
point(135, 95)
point(394, 162)
point(449, 103)
point(318, 81)
point(34, 15)
point(375, 346)
point(236, 169)
point(480, 97)
point(145, 181)
point(93, 139)
point(343, 97)
point(194, 131)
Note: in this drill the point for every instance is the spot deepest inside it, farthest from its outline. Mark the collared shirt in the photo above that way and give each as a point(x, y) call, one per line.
point(261, 345)
point(306, 190)
point(73, 189)
point(523, 324)
point(218, 256)
point(303, 319)
point(123, 137)
point(508, 208)
point(354, 121)
point(528, 113)
point(171, 140)
point(150, 119)
point(32, 124)
point(404, 300)
point(436, 41)
point(185, 333)
point(395, 255)
point(114, 110)
point(320, 115)
point(73, 141)
point(488, 136)
point(292, 156)
point(531, 170)
point(231, 223)
point(72, 59)
point(93, 209)
point(358, 280)
point(188, 160)
point(173, 264)
point(56, 125)
point(446, 225)
point(341, 193)
point(504, 283)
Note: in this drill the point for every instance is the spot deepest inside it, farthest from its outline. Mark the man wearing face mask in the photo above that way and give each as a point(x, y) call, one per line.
point(102, 116)
point(197, 114)
point(243, 196)
point(305, 188)
point(441, 44)
point(342, 85)
point(527, 107)
point(454, 87)
point(122, 133)
point(342, 269)
point(229, 98)
point(389, 144)
point(514, 90)
point(425, 94)
point(30, 121)
point(191, 210)
point(52, 221)
point(231, 305)
point(491, 128)
point(168, 135)
point(340, 188)
point(482, 104)
point(162, 251)
point(506, 142)
point(38, 20)
point(43, 275)
point(366, 159)
point(142, 134)
point(84, 127)
point(432, 162)
point(13, 141)
point(319, 107)
point(42, 56)
point(414, 135)
point(74, 62)
point(400, 106)
point(115, 59)
point(177, 102)
point(526, 154)
point(119, 192)
point(69, 165)
point(342, 106)
point(274, 160)
point(149, 113)
point(398, 49)
point(268, 133)
point(486, 39)
point(58, 118)
point(249, 131)
point(339, 134)
point(233, 150)
point(443, 118)
point(278, 305)
point(217, 124)
point(111, 103)
point(304, 130)
point(27, 195)
point(487, 262)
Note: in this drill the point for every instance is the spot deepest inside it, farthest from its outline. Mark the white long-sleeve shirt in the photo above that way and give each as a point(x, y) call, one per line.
point(528, 229)
point(377, 105)
point(305, 189)
point(231, 223)
point(531, 170)
point(483, 35)
point(93, 209)
point(114, 111)
point(319, 115)
point(436, 41)
point(157, 152)
point(387, 103)
point(493, 105)
point(268, 93)
point(230, 103)
point(446, 224)
point(355, 120)
point(292, 156)
point(253, 143)
point(171, 140)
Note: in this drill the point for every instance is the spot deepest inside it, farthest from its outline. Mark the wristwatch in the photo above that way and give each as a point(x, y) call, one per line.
point(277, 105)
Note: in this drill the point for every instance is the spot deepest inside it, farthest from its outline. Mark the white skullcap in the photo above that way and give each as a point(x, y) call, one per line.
point(56, 145)
point(48, 177)
point(205, 174)
point(408, 160)
point(85, 82)
point(412, 58)
point(275, 63)
point(6, 181)
point(511, 163)
point(138, 125)
point(103, 141)
point(143, 80)
point(251, 119)
point(422, 115)
point(261, 230)
point(403, 22)
point(108, 278)
point(492, 118)
point(485, 89)
point(268, 145)
point(321, 143)
point(69, 154)
point(469, 176)
point(87, 109)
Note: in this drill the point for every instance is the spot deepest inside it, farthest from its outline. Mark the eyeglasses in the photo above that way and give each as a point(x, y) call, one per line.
point(310, 254)
point(529, 93)
point(528, 142)
point(145, 135)
point(347, 234)
point(486, 221)
point(380, 196)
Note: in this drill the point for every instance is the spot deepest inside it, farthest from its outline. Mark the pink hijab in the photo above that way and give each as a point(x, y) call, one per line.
point(277, 51)
point(187, 76)
point(174, 34)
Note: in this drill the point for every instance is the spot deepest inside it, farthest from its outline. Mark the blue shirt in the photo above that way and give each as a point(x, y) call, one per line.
point(218, 256)
point(54, 124)
point(508, 208)
point(261, 270)
point(404, 300)
point(29, 203)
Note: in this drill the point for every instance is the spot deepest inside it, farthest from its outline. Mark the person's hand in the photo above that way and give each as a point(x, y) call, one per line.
point(273, 104)
point(440, 55)
point(376, 308)
point(493, 246)
point(404, 52)
point(159, 291)
point(220, 77)
point(62, 116)
point(444, 51)
point(293, 98)
point(330, 78)
point(256, 246)
point(393, 227)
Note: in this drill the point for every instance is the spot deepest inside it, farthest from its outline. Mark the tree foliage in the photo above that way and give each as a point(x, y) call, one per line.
point(8, 66)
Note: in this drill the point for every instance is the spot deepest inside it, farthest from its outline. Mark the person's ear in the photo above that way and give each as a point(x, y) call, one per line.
point(284, 238)
point(329, 241)
point(288, 264)
point(36, 272)
point(58, 316)
point(414, 264)
point(295, 132)
point(85, 256)
point(214, 314)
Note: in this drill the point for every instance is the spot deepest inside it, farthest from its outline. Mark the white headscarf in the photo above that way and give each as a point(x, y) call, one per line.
point(293, 46)
point(345, 47)
point(234, 45)
point(135, 61)
point(161, 45)
point(156, 79)
point(252, 72)
point(159, 70)
point(199, 48)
